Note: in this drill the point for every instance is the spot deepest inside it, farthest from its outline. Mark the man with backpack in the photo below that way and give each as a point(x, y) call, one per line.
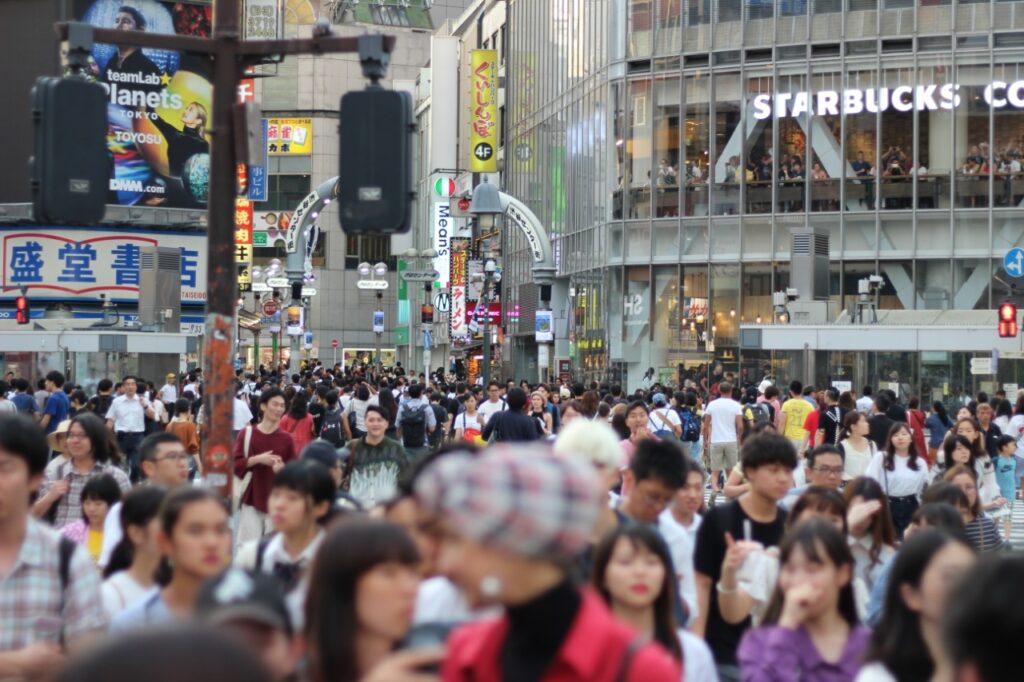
point(50, 594)
point(439, 404)
point(758, 415)
point(663, 422)
point(686, 409)
point(332, 431)
point(415, 422)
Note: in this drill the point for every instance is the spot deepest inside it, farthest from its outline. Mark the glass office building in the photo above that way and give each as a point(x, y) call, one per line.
point(671, 146)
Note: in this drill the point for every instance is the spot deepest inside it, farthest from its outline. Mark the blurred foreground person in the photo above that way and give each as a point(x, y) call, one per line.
point(513, 522)
point(167, 654)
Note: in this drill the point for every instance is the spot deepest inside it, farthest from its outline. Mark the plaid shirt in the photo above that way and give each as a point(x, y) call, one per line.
point(30, 595)
point(69, 507)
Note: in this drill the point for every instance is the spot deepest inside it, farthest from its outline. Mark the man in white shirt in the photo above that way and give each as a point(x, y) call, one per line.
point(169, 391)
point(494, 403)
point(723, 425)
point(866, 401)
point(127, 419)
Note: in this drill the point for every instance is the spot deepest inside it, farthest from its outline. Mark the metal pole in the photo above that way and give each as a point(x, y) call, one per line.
point(222, 274)
point(256, 350)
point(487, 329)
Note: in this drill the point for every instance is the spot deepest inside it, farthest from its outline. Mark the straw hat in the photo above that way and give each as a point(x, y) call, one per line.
point(61, 430)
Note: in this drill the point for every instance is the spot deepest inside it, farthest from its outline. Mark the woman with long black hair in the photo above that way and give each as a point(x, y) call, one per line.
point(91, 451)
point(906, 645)
point(633, 573)
point(902, 472)
point(130, 573)
point(362, 595)
point(811, 630)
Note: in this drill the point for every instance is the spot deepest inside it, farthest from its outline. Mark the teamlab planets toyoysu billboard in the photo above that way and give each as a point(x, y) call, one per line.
point(159, 107)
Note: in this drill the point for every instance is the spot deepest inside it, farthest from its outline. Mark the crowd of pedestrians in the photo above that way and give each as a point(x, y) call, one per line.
point(392, 528)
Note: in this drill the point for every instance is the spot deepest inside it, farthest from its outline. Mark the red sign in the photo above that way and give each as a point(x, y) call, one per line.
point(270, 308)
point(243, 222)
point(334, 343)
point(246, 90)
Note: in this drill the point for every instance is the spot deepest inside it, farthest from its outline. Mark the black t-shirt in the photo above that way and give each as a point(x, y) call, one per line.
point(512, 427)
point(879, 426)
point(318, 411)
point(722, 637)
point(831, 422)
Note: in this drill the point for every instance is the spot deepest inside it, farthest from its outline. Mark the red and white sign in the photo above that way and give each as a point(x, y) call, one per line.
point(270, 308)
point(459, 256)
point(334, 343)
point(246, 90)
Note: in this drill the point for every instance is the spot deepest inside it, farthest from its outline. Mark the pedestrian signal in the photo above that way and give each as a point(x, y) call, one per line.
point(1008, 320)
point(21, 310)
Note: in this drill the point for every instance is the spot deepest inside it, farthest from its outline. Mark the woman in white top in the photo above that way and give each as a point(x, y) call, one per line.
point(357, 406)
point(872, 535)
point(129, 573)
point(902, 473)
point(855, 445)
point(632, 572)
point(907, 645)
point(468, 424)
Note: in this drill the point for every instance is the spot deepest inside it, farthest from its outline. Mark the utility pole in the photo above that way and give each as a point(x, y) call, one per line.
point(230, 56)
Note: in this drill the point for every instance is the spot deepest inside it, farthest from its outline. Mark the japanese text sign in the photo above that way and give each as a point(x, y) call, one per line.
point(287, 136)
point(483, 111)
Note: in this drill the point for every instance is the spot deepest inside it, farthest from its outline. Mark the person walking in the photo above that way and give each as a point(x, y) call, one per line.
point(416, 421)
point(260, 452)
point(723, 426)
point(513, 425)
point(127, 419)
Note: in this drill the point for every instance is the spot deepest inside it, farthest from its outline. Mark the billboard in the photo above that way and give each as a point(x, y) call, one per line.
point(289, 136)
point(69, 263)
point(159, 109)
point(483, 111)
point(459, 256)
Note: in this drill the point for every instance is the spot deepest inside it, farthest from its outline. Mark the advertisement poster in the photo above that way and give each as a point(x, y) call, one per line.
point(483, 106)
point(159, 108)
point(289, 136)
point(294, 316)
point(543, 325)
point(378, 321)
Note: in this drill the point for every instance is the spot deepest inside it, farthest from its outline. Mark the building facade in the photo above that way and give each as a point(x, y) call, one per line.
point(673, 147)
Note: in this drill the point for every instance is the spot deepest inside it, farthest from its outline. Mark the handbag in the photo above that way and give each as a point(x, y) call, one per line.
point(242, 484)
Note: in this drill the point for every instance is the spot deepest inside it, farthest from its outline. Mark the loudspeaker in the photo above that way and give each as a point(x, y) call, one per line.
point(375, 177)
point(71, 166)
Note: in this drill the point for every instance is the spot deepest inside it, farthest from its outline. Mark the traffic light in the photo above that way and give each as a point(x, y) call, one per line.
point(70, 166)
point(21, 308)
point(375, 177)
point(1008, 320)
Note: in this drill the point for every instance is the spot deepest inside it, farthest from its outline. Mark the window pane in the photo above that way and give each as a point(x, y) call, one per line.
point(697, 136)
point(1007, 133)
point(861, 134)
point(639, 27)
point(638, 150)
point(666, 142)
point(792, 145)
point(728, 144)
point(897, 136)
point(761, 144)
point(935, 134)
point(971, 136)
point(826, 140)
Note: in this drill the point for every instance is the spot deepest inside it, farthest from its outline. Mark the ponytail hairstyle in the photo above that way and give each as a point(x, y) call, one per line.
point(170, 513)
point(849, 421)
point(139, 507)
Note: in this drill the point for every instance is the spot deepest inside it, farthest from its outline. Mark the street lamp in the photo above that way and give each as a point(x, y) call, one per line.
point(486, 205)
point(491, 275)
point(370, 273)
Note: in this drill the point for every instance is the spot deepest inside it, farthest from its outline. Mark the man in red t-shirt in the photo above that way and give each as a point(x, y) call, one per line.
point(261, 450)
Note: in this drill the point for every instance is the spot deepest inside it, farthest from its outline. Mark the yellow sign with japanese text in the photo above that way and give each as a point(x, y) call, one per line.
point(483, 114)
point(289, 136)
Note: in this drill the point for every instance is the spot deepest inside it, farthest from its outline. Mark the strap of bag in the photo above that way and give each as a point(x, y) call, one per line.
point(627, 658)
point(65, 550)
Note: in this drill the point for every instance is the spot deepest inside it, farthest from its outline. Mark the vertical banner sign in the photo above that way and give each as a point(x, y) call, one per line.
point(378, 321)
point(442, 240)
point(483, 116)
point(460, 254)
point(243, 243)
point(258, 169)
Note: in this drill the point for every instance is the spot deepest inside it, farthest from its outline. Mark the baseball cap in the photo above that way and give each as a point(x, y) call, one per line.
point(238, 595)
point(659, 399)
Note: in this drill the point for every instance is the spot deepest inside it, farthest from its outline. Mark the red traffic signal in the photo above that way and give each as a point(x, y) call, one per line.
point(1007, 320)
point(22, 310)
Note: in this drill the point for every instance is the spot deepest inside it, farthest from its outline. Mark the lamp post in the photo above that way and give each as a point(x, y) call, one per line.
point(487, 208)
point(373, 277)
point(428, 255)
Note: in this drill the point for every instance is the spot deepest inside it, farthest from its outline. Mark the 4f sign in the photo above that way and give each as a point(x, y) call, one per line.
point(483, 111)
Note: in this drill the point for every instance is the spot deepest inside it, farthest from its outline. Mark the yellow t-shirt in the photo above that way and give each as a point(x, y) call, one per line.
point(796, 411)
point(94, 543)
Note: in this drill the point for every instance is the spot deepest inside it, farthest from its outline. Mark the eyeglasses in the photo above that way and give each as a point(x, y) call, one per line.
point(74, 435)
point(830, 471)
point(173, 456)
point(656, 501)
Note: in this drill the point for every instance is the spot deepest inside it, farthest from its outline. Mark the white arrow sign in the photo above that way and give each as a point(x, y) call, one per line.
point(421, 275)
point(372, 284)
point(260, 287)
point(275, 282)
point(308, 291)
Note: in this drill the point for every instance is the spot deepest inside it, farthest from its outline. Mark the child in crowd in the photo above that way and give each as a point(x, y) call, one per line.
point(99, 494)
point(1006, 479)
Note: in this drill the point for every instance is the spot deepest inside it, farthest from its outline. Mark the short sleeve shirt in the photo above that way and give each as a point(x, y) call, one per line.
point(723, 413)
point(796, 411)
point(57, 406)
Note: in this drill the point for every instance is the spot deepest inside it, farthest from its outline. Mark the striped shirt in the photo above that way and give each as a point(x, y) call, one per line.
point(30, 595)
point(984, 535)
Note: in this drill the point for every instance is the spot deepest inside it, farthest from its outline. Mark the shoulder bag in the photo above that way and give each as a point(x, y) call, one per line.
point(240, 485)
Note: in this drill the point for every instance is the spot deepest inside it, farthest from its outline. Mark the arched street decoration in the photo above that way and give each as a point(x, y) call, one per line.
point(536, 237)
point(304, 222)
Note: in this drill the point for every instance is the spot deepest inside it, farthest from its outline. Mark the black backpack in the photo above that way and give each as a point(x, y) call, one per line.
point(441, 417)
point(332, 431)
point(414, 426)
